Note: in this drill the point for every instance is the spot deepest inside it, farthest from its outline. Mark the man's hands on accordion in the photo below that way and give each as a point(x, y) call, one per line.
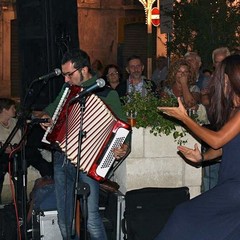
point(121, 151)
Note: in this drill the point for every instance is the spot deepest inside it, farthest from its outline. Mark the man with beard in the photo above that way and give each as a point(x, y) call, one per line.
point(136, 81)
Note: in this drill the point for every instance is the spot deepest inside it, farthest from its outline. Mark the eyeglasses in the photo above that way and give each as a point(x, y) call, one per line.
point(69, 75)
point(112, 74)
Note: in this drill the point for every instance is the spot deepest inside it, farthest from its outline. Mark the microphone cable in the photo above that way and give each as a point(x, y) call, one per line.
point(13, 190)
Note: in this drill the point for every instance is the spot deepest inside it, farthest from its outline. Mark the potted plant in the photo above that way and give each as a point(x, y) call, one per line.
point(146, 114)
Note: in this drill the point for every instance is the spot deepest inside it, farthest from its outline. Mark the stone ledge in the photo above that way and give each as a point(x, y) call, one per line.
point(154, 162)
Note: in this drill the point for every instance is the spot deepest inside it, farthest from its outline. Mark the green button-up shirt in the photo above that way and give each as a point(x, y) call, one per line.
point(111, 100)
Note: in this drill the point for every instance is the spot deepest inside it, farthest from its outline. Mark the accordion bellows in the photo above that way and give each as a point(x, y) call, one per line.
point(101, 130)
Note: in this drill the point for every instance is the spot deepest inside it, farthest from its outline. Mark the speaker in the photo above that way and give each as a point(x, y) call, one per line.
point(148, 209)
point(46, 30)
point(8, 222)
point(166, 7)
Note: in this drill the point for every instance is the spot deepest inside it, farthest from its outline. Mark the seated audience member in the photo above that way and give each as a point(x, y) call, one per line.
point(196, 62)
point(32, 154)
point(112, 74)
point(204, 99)
point(218, 55)
point(207, 76)
point(7, 124)
point(207, 73)
point(97, 67)
point(181, 83)
point(160, 73)
point(136, 81)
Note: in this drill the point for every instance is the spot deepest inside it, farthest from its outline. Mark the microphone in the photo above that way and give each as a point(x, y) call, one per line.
point(98, 84)
point(55, 73)
point(39, 120)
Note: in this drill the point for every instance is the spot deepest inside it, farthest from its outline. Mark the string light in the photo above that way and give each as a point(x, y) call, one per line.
point(147, 7)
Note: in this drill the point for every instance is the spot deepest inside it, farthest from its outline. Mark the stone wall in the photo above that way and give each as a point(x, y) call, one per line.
point(154, 162)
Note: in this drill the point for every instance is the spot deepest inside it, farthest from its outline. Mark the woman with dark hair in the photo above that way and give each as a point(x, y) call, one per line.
point(97, 67)
point(112, 74)
point(215, 214)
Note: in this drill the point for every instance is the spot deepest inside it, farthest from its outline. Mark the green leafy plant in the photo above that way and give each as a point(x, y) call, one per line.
point(147, 114)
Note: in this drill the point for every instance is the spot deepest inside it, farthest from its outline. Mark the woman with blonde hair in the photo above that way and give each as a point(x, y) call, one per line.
point(181, 83)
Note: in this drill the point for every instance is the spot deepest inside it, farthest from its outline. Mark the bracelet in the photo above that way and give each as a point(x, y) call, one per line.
point(199, 164)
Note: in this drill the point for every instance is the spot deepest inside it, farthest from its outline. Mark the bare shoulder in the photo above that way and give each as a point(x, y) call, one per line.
point(234, 123)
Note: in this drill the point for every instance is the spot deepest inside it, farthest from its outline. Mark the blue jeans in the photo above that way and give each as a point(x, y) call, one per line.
point(210, 176)
point(64, 177)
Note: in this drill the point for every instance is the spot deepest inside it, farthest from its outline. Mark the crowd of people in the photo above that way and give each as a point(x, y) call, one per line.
point(185, 78)
point(195, 88)
point(215, 213)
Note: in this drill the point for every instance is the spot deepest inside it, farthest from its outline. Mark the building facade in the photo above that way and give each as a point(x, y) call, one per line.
point(108, 30)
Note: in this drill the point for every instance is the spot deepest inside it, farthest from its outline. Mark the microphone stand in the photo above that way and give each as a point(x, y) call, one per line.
point(21, 124)
point(17, 172)
point(81, 189)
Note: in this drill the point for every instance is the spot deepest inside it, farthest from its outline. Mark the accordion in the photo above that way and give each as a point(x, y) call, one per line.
point(102, 131)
